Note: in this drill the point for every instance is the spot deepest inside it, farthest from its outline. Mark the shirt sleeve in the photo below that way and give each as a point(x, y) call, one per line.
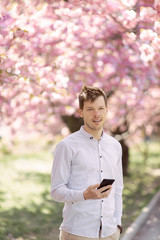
point(60, 176)
point(119, 189)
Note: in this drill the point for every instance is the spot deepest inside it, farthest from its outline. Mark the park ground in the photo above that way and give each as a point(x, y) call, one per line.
point(28, 213)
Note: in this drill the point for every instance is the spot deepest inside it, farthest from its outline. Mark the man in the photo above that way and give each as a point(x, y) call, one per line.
point(81, 161)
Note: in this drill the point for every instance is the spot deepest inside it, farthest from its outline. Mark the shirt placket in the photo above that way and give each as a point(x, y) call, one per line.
point(101, 176)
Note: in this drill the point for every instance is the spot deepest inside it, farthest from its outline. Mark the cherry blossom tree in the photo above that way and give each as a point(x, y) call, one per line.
point(50, 48)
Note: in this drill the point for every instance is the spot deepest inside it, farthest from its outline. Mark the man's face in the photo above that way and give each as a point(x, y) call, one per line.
point(94, 114)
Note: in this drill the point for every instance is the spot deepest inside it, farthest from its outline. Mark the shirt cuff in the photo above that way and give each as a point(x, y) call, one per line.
point(79, 196)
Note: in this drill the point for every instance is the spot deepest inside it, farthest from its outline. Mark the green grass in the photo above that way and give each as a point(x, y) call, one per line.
point(27, 211)
point(142, 182)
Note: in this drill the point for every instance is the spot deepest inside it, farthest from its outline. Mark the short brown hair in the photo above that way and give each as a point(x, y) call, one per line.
point(89, 93)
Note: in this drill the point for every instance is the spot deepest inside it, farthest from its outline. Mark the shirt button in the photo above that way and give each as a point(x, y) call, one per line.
point(101, 170)
point(102, 200)
point(101, 216)
point(100, 156)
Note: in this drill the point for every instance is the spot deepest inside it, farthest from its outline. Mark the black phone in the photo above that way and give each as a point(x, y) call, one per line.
point(106, 182)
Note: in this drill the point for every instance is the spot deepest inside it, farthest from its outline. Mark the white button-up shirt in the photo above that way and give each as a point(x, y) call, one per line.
point(81, 161)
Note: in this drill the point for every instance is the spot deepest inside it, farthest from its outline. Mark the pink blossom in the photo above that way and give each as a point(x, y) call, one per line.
point(157, 27)
point(128, 18)
point(148, 13)
point(157, 5)
point(147, 52)
point(147, 35)
point(48, 51)
point(129, 3)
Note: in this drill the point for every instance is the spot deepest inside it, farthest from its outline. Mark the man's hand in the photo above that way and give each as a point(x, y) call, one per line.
point(93, 193)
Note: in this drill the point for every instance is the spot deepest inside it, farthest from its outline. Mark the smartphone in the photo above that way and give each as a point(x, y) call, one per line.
point(106, 182)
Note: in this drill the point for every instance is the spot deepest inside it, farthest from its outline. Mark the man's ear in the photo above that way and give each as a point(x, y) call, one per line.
point(80, 112)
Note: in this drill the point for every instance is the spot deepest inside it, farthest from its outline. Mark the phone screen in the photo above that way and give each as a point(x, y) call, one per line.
point(106, 182)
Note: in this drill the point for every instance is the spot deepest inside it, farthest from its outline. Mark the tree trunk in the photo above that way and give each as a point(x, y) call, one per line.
point(125, 157)
point(72, 122)
point(125, 148)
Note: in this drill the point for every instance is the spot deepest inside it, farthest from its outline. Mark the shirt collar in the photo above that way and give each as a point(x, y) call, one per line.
point(88, 135)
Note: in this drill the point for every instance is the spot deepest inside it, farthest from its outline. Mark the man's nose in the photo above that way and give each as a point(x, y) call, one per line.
point(96, 113)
